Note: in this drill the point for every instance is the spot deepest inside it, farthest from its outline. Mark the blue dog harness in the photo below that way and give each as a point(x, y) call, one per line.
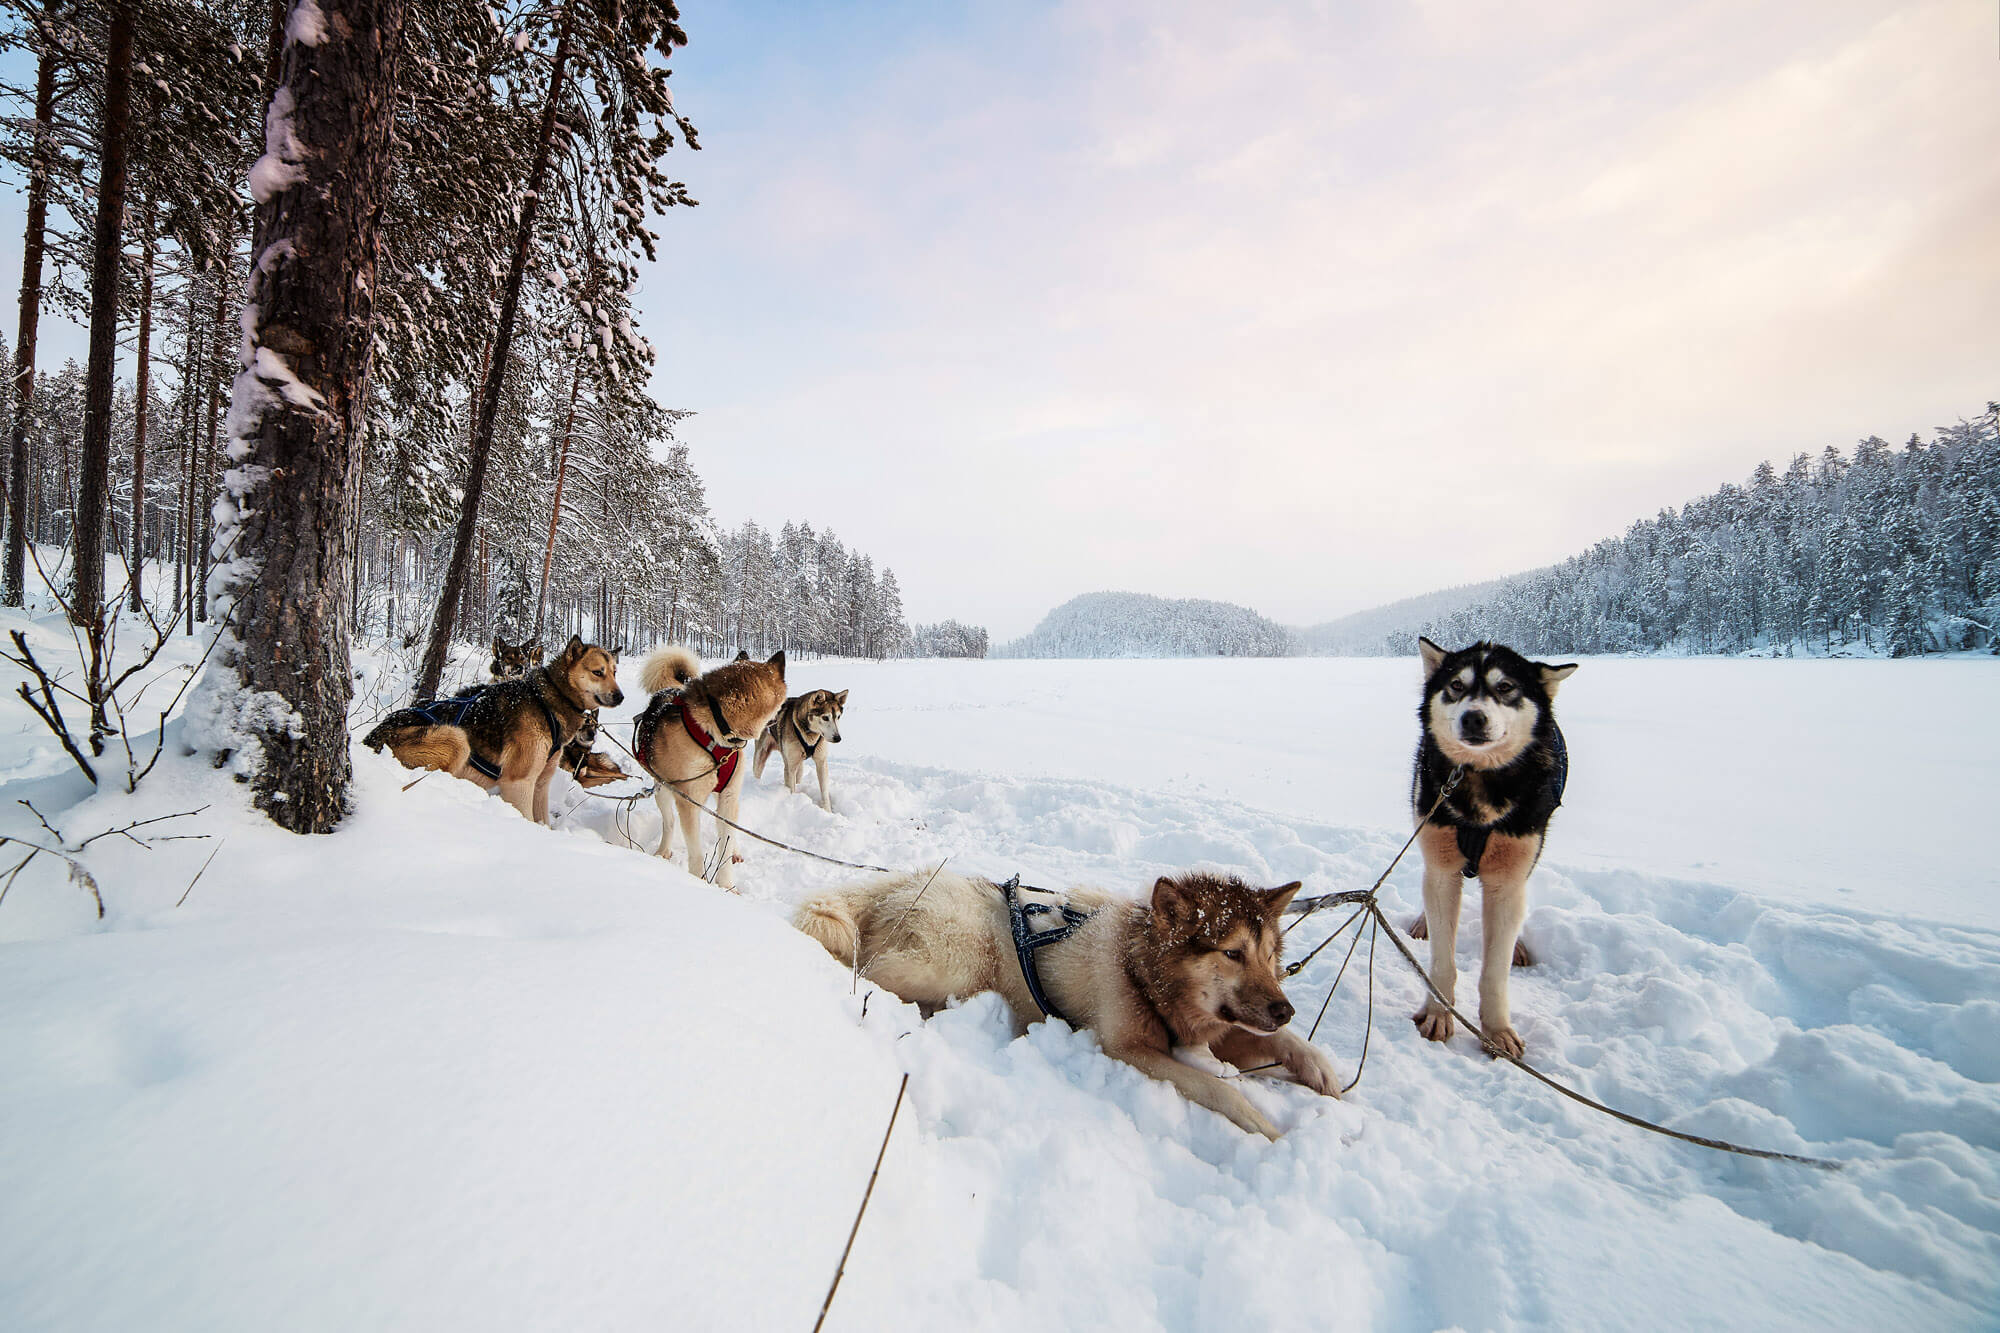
point(451, 713)
point(1027, 939)
point(1472, 839)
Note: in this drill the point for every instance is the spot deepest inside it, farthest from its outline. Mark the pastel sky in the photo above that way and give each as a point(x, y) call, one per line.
point(1309, 306)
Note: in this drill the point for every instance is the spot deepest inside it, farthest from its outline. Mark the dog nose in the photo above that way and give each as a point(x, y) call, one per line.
point(1473, 724)
point(617, 697)
point(1281, 1012)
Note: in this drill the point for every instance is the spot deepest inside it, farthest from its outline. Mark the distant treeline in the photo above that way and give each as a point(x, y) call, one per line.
point(1890, 551)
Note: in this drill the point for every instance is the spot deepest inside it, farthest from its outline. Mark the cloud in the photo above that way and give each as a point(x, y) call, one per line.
point(1271, 303)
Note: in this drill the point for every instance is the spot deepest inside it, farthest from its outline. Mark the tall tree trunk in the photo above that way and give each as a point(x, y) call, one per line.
point(203, 532)
point(283, 674)
point(94, 485)
point(144, 391)
point(555, 506)
point(496, 376)
point(190, 425)
point(32, 241)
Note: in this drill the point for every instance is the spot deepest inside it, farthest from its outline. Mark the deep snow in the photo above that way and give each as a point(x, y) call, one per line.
point(445, 1069)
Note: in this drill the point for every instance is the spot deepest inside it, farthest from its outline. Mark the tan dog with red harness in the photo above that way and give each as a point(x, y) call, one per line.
point(691, 738)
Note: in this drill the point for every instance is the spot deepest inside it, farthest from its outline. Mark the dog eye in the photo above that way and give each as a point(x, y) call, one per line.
point(1233, 955)
point(1504, 691)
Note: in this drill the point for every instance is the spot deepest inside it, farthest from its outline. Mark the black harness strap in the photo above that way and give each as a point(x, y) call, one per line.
point(721, 723)
point(1472, 837)
point(1027, 941)
point(549, 716)
point(812, 747)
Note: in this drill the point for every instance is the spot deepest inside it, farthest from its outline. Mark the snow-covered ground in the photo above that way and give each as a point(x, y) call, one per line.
point(444, 1069)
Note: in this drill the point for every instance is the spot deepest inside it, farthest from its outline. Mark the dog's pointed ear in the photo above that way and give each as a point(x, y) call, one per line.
point(499, 646)
point(742, 655)
point(1432, 654)
point(573, 649)
point(778, 661)
point(535, 653)
point(1553, 676)
point(841, 698)
point(1278, 899)
point(1173, 905)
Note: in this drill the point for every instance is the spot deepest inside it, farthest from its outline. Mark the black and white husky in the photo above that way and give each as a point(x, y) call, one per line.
point(1489, 712)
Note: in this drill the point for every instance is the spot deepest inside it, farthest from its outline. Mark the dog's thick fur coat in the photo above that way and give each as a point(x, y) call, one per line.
point(1194, 966)
point(801, 731)
point(1492, 710)
point(732, 704)
point(509, 725)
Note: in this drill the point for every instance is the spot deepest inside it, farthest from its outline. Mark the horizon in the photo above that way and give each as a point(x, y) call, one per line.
point(1079, 319)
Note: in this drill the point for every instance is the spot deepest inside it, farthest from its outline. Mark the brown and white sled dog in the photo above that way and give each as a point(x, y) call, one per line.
point(508, 735)
point(692, 736)
point(1492, 711)
point(1195, 966)
point(800, 732)
point(587, 764)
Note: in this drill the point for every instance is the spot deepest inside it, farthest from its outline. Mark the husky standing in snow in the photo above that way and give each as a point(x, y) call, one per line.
point(1490, 710)
point(800, 732)
point(691, 738)
point(509, 735)
point(1195, 966)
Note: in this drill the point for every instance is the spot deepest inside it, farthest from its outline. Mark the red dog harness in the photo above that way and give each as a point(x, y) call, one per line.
point(724, 757)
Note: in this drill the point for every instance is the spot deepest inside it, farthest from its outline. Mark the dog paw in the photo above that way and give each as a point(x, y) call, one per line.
point(1314, 1070)
point(1502, 1040)
point(1420, 929)
point(1434, 1023)
point(1522, 958)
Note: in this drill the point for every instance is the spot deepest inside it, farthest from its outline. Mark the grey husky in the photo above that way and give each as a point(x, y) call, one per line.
point(801, 731)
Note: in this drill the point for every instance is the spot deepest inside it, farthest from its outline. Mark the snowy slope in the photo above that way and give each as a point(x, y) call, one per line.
point(443, 1069)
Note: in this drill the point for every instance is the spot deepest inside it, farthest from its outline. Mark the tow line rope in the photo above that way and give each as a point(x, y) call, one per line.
point(673, 785)
point(1369, 906)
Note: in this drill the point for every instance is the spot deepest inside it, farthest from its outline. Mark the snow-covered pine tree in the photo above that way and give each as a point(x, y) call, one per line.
point(274, 700)
point(615, 89)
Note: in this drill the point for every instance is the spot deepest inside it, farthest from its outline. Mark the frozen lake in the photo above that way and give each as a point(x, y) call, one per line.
point(1861, 784)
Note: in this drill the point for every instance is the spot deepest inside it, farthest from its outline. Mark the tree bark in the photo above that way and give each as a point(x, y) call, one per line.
point(496, 376)
point(204, 546)
point(32, 242)
point(144, 390)
point(555, 507)
point(297, 406)
point(94, 483)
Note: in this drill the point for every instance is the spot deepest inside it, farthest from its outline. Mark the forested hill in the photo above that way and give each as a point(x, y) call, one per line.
point(1133, 624)
point(1363, 633)
point(1891, 551)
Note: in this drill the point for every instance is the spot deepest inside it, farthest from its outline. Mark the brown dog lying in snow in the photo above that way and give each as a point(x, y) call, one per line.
point(1195, 966)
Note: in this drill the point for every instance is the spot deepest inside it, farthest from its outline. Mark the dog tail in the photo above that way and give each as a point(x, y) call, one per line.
point(668, 668)
point(829, 919)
